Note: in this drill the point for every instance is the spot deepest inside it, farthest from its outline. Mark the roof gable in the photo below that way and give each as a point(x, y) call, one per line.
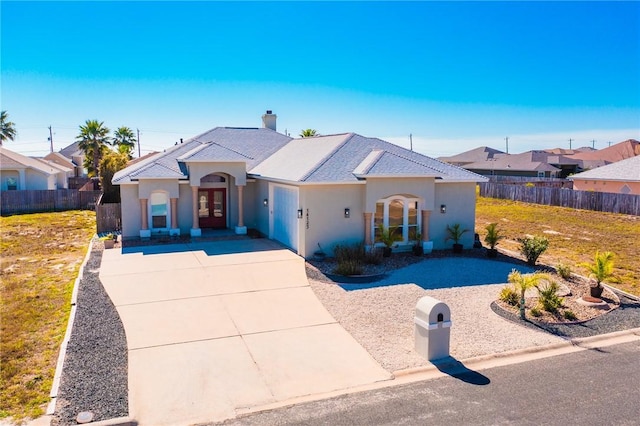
point(624, 170)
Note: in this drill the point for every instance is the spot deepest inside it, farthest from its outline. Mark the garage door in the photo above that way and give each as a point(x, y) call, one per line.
point(284, 216)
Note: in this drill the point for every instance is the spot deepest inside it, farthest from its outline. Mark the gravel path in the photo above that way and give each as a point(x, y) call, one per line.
point(94, 375)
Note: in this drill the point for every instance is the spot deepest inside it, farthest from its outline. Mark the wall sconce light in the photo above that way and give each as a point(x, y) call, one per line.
point(443, 208)
point(299, 213)
point(265, 202)
point(347, 213)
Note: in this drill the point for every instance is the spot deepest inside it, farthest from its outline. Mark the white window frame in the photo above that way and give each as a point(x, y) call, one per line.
point(406, 201)
point(150, 212)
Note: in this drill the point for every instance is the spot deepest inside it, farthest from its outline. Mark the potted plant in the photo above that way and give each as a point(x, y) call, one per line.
point(600, 270)
point(417, 248)
point(455, 232)
point(387, 237)
point(493, 236)
point(109, 240)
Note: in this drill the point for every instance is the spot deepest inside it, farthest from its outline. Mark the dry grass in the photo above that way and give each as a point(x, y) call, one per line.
point(40, 258)
point(574, 235)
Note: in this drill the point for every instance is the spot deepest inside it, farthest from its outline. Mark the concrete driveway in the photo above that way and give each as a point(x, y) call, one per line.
point(219, 326)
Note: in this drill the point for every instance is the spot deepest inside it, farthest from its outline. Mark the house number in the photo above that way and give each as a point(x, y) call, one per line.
point(307, 219)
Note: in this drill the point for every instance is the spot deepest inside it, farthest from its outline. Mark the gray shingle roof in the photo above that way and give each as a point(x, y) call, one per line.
point(323, 159)
point(624, 170)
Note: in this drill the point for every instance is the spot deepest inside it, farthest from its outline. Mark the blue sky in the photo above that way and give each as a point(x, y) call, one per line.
point(455, 75)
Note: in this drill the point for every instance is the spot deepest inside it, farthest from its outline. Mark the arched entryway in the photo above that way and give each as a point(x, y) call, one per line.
point(213, 201)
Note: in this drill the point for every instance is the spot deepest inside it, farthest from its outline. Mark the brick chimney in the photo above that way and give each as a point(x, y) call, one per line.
point(269, 120)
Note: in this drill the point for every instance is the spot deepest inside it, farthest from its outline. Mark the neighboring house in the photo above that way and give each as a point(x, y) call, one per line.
point(621, 177)
point(601, 157)
point(476, 155)
point(529, 164)
point(76, 156)
point(305, 193)
point(18, 172)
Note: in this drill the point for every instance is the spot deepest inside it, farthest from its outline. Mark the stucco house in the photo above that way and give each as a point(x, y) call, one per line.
point(622, 177)
point(302, 192)
point(19, 172)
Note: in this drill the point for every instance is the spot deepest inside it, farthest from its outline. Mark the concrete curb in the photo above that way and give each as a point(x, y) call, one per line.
point(116, 421)
point(51, 407)
point(493, 360)
point(433, 371)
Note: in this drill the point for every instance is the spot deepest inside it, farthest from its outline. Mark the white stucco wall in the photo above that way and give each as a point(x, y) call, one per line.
point(326, 222)
point(460, 201)
point(38, 180)
point(130, 207)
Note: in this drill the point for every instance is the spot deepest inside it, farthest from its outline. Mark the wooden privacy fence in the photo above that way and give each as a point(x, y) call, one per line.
point(585, 200)
point(108, 217)
point(39, 201)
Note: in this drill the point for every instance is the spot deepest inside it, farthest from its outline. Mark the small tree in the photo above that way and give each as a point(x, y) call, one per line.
point(532, 247)
point(493, 235)
point(111, 163)
point(307, 133)
point(525, 282)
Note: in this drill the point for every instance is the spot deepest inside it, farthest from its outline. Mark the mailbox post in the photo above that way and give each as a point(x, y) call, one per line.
point(432, 328)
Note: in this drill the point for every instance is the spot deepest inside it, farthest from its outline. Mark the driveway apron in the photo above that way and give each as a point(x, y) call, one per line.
point(213, 327)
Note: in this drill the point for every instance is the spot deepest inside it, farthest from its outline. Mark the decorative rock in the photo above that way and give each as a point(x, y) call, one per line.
point(592, 301)
point(85, 417)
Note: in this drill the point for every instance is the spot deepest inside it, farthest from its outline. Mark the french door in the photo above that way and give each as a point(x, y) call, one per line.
point(212, 207)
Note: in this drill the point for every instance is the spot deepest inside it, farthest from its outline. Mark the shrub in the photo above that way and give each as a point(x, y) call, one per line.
point(509, 295)
point(532, 247)
point(373, 256)
point(346, 252)
point(564, 270)
point(548, 297)
point(529, 185)
point(349, 267)
point(570, 315)
point(535, 312)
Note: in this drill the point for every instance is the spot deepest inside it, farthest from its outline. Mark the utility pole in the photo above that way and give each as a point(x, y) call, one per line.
point(507, 140)
point(410, 141)
point(609, 143)
point(138, 130)
point(570, 140)
point(51, 138)
point(593, 143)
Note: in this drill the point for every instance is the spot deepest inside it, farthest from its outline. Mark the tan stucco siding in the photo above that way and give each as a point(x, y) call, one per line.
point(379, 188)
point(326, 223)
point(130, 207)
point(613, 186)
point(199, 170)
point(460, 202)
point(147, 186)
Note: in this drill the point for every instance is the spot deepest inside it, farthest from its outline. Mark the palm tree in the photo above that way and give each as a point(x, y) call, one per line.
point(8, 131)
point(307, 133)
point(601, 269)
point(93, 140)
point(124, 139)
point(524, 283)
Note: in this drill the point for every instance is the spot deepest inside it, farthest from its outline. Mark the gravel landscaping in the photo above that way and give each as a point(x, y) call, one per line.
point(94, 375)
point(378, 315)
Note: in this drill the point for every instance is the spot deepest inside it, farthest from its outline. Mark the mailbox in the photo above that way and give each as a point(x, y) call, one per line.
point(432, 328)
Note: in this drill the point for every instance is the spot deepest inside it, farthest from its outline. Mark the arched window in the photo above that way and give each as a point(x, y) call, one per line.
point(399, 212)
point(159, 210)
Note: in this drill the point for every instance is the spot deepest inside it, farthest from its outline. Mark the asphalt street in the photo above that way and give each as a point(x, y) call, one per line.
point(590, 387)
